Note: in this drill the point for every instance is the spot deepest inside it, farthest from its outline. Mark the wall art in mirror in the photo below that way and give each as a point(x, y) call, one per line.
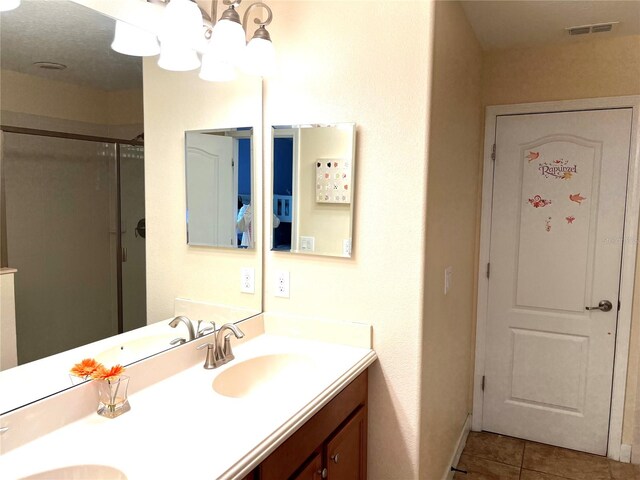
point(313, 183)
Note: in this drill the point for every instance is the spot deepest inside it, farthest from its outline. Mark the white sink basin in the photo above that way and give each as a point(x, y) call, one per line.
point(265, 374)
point(80, 472)
point(133, 350)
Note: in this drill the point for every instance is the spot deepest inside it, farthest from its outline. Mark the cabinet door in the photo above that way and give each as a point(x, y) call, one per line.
point(346, 451)
point(313, 471)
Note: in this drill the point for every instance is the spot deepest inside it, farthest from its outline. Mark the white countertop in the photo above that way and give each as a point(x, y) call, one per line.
point(180, 428)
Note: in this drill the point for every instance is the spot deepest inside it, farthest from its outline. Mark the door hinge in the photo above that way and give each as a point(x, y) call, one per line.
point(483, 379)
point(488, 270)
point(493, 153)
point(618, 305)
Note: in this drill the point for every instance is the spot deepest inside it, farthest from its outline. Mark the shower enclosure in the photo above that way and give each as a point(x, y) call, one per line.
point(72, 210)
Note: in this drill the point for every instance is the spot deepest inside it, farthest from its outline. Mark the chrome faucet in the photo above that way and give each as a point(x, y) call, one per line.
point(219, 352)
point(174, 323)
point(193, 333)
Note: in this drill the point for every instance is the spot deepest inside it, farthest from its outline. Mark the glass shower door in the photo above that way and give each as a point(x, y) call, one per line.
point(60, 230)
point(134, 303)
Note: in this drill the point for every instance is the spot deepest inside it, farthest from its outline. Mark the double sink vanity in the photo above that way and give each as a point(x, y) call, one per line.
point(291, 404)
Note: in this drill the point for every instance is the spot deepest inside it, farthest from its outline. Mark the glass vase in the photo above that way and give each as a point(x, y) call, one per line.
point(112, 397)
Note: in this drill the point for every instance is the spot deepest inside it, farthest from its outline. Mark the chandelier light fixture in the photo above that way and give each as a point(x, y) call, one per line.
point(189, 38)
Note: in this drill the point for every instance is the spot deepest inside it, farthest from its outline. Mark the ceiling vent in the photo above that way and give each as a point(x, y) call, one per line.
point(595, 28)
point(50, 65)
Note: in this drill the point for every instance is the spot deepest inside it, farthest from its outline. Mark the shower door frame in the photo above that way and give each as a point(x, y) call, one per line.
point(90, 138)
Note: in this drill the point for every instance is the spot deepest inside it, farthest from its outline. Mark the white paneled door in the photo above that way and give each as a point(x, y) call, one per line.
point(556, 247)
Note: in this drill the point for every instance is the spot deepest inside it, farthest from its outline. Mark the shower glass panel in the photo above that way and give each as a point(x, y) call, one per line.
point(61, 215)
point(134, 304)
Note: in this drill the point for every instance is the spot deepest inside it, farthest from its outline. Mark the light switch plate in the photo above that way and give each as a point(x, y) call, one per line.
point(307, 244)
point(247, 280)
point(448, 276)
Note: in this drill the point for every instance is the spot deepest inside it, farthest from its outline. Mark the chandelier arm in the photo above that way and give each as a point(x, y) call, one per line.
point(257, 20)
point(214, 12)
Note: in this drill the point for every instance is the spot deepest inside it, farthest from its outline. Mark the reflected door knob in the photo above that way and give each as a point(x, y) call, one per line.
point(604, 305)
point(323, 473)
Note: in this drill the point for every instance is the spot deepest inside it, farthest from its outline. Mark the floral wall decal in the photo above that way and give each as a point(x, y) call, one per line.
point(537, 201)
point(570, 219)
point(576, 197)
point(532, 156)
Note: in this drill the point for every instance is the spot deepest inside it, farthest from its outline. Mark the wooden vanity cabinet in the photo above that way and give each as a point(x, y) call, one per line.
point(331, 445)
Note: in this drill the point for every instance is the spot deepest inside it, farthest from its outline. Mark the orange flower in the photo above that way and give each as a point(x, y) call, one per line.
point(85, 368)
point(102, 373)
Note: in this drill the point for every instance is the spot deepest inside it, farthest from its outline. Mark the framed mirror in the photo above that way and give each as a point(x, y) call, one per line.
point(56, 115)
point(313, 186)
point(218, 186)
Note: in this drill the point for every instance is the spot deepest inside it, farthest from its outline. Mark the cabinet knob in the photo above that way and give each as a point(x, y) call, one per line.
point(323, 473)
point(335, 457)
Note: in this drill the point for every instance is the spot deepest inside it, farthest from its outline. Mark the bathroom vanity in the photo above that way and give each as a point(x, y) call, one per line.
point(290, 405)
point(332, 444)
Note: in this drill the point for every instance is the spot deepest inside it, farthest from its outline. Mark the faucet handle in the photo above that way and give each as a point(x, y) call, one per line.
point(205, 330)
point(210, 360)
point(227, 354)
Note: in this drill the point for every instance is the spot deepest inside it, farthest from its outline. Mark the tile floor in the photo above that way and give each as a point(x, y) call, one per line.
point(488, 456)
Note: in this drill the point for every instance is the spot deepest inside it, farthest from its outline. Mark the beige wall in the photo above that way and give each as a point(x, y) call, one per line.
point(334, 67)
point(173, 103)
point(594, 68)
point(328, 223)
point(35, 96)
point(453, 181)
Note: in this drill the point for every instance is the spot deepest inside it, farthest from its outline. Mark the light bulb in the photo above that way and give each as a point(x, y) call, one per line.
point(131, 40)
point(259, 58)
point(228, 41)
point(6, 5)
point(177, 57)
point(181, 23)
point(214, 70)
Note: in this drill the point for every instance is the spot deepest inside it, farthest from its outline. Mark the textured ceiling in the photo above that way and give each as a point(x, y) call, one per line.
point(63, 32)
point(509, 24)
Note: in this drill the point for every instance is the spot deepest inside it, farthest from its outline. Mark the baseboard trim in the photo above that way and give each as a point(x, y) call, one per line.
point(462, 441)
point(625, 453)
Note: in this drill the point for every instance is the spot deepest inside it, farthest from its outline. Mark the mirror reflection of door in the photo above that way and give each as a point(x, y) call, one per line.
point(218, 188)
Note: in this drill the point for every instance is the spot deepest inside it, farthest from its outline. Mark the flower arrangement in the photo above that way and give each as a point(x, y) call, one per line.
point(89, 368)
point(112, 385)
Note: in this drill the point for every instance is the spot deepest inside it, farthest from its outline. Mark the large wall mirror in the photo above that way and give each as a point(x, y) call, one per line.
point(81, 249)
point(313, 185)
point(218, 175)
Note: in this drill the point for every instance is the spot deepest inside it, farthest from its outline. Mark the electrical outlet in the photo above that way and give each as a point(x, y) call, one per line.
point(346, 247)
point(282, 284)
point(247, 280)
point(448, 276)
